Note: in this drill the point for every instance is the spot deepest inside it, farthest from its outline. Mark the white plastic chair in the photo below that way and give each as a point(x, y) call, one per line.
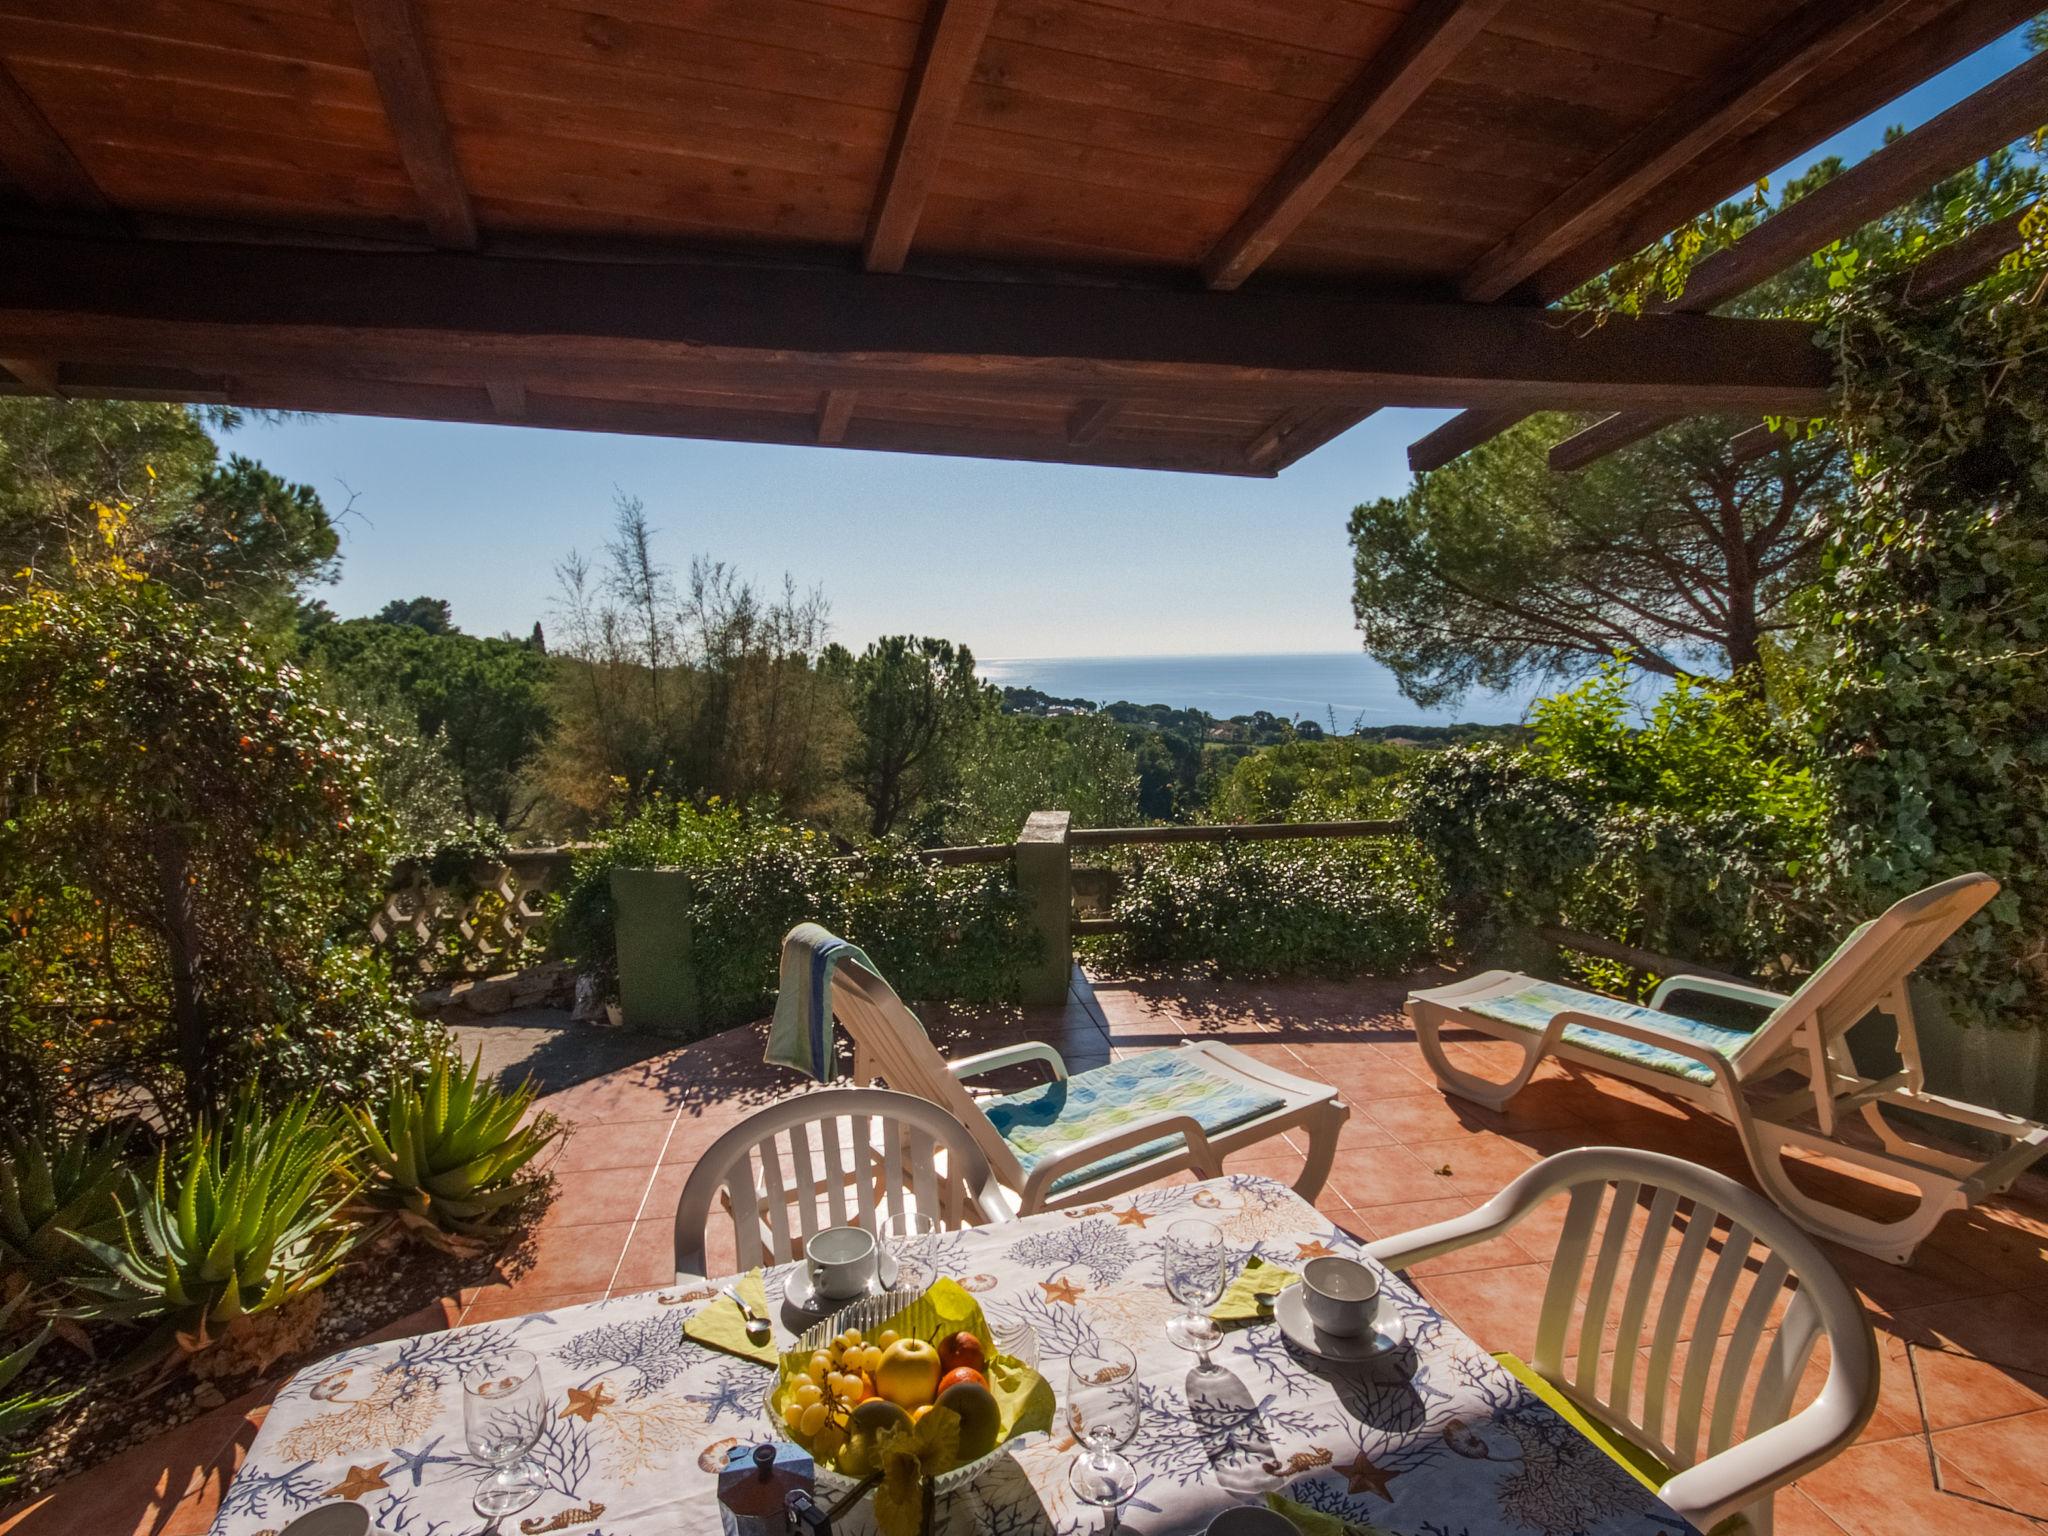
point(1693, 1432)
point(835, 1157)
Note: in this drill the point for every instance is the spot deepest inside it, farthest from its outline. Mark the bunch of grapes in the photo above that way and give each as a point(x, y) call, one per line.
point(837, 1379)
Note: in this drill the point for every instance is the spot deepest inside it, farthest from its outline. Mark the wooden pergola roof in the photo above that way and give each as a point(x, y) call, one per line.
point(1187, 234)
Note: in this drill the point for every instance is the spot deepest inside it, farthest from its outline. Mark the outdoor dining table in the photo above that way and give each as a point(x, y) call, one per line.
point(1431, 1439)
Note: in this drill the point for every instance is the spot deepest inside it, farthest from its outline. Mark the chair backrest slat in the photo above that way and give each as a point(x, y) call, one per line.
point(1740, 1350)
point(1629, 1331)
point(1706, 1335)
point(1620, 1213)
point(1664, 1337)
point(1565, 1267)
point(878, 1152)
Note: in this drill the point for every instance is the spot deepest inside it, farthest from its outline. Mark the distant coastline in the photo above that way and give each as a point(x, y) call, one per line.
point(1346, 688)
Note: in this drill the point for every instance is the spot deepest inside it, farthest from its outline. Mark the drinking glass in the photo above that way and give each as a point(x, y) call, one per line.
point(908, 1237)
point(1194, 1260)
point(1103, 1403)
point(504, 1409)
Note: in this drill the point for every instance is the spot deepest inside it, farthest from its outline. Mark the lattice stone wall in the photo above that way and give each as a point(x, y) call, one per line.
point(492, 920)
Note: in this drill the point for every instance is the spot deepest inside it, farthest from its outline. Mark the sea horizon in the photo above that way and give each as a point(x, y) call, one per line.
point(1345, 687)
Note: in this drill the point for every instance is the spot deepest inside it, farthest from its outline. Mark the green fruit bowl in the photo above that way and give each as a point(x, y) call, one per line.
point(1012, 1356)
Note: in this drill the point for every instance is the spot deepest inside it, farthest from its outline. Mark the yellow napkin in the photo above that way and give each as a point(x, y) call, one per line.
point(1239, 1303)
point(721, 1326)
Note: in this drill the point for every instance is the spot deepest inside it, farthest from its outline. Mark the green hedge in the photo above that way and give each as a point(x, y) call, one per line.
point(1338, 908)
point(936, 933)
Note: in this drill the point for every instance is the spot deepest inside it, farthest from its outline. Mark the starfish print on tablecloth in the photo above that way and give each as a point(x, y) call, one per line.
point(1364, 1475)
point(1314, 1249)
point(1133, 1217)
point(587, 1404)
point(415, 1463)
point(360, 1480)
point(1061, 1290)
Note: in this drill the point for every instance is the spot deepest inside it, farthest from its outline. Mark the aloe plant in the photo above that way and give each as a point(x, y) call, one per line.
point(245, 1222)
point(52, 1185)
point(444, 1151)
point(20, 1409)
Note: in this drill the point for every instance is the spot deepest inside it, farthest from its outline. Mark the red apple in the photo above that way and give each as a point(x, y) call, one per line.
point(960, 1374)
point(962, 1349)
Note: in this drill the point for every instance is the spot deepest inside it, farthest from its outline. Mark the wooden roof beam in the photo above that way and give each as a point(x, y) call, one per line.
point(36, 157)
point(1461, 434)
point(398, 62)
point(250, 305)
point(1674, 139)
point(1982, 123)
point(1090, 419)
point(835, 410)
point(37, 375)
point(1423, 46)
point(508, 395)
point(953, 34)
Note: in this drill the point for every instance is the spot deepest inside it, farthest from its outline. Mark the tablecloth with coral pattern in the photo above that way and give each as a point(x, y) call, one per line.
point(1432, 1440)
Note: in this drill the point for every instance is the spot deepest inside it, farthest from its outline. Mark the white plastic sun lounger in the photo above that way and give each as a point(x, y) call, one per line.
point(1102, 1132)
point(1723, 1069)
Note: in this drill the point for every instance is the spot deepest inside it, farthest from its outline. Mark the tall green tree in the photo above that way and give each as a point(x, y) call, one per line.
point(1017, 764)
point(917, 705)
point(226, 531)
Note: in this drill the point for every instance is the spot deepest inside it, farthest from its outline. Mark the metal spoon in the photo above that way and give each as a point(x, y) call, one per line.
point(757, 1325)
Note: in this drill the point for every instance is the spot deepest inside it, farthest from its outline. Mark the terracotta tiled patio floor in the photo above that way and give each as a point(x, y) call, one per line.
point(1961, 1435)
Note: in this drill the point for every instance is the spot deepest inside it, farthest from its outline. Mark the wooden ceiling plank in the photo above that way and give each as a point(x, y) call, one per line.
point(2009, 108)
point(1675, 138)
point(176, 300)
point(35, 155)
point(953, 34)
point(1429, 38)
point(835, 410)
point(398, 63)
point(1090, 418)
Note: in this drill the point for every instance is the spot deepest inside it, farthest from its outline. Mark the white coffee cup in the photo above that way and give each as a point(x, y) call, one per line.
point(841, 1262)
point(1342, 1296)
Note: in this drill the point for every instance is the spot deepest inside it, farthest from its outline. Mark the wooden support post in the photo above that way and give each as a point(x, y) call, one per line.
point(1045, 874)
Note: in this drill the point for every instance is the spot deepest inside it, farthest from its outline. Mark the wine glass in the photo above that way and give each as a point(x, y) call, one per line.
point(1103, 1403)
point(1194, 1259)
point(504, 1409)
point(908, 1236)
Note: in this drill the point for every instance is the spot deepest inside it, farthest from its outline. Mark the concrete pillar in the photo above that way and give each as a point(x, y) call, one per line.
point(651, 921)
point(1045, 874)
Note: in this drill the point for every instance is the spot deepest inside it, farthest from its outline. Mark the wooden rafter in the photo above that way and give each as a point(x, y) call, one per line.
point(835, 410)
point(38, 375)
point(951, 42)
point(1090, 419)
point(1462, 433)
point(1421, 49)
point(35, 155)
point(2009, 108)
point(1666, 145)
point(254, 305)
point(508, 395)
point(398, 62)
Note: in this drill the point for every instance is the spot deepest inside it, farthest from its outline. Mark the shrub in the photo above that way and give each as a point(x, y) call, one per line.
point(52, 1186)
point(193, 846)
point(18, 1410)
point(445, 1153)
point(246, 1223)
point(1315, 909)
point(1336, 778)
point(940, 933)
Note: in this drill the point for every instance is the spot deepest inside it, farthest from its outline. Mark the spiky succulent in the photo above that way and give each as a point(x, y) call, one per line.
point(245, 1222)
point(19, 1409)
point(444, 1152)
point(52, 1185)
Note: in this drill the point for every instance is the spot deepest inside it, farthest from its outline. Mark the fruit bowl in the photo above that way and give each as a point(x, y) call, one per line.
point(910, 1313)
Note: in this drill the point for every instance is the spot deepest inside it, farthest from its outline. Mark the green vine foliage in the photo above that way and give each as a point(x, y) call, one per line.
point(1929, 702)
point(937, 933)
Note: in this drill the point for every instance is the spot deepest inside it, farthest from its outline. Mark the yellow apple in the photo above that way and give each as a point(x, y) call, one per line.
point(909, 1373)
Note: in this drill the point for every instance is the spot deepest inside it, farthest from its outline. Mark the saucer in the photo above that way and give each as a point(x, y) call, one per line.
point(1291, 1313)
point(797, 1291)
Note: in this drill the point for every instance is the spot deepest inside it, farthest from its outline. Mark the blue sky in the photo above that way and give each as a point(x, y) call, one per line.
point(1012, 559)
